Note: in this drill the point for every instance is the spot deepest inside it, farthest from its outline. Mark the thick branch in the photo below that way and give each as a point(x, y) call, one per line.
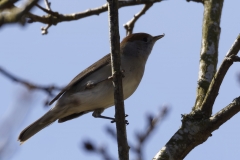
point(209, 52)
point(123, 148)
point(15, 14)
point(195, 131)
point(47, 19)
point(196, 128)
point(130, 24)
point(4, 4)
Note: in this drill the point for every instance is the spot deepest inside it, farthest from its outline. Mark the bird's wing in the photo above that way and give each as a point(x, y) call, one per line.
point(94, 67)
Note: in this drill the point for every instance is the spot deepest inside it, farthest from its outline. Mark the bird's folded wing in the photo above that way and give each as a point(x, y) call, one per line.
point(94, 67)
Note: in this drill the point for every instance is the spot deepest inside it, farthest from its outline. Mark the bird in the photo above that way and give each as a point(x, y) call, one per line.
point(92, 89)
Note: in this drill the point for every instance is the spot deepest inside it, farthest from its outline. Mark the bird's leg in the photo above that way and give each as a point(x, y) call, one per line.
point(97, 114)
point(105, 117)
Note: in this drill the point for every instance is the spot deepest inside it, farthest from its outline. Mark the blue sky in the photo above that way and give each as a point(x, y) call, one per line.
point(170, 78)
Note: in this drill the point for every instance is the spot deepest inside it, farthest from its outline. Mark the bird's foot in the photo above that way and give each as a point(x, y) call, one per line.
point(126, 121)
point(113, 120)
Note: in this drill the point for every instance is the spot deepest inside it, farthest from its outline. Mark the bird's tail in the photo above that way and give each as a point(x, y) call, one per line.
point(36, 126)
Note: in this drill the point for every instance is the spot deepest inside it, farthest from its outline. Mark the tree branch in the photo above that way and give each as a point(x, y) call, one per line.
point(225, 114)
point(6, 4)
point(219, 76)
point(196, 128)
point(50, 13)
point(101, 151)
point(195, 131)
point(142, 137)
point(30, 86)
point(209, 50)
point(130, 24)
point(123, 148)
point(46, 19)
point(15, 14)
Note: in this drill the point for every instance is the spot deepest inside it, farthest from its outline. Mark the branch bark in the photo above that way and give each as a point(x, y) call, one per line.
point(130, 24)
point(14, 14)
point(209, 52)
point(48, 89)
point(55, 19)
point(214, 87)
point(194, 132)
point(196, 128)
point(123, 148)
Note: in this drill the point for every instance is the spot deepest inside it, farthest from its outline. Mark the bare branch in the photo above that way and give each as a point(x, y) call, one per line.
point(142, 137)
point(130, 24)
point(30, 86)
point(219, 76)
point(50, 13)
point(11, 121)
point(123, 148)
point(48, 5)
point(101, 151)
point(46, 19)
point(47, 10)
point(15, 14)
point(111, 132)
point(209, 49)
point(196, 128)
point(225, 114)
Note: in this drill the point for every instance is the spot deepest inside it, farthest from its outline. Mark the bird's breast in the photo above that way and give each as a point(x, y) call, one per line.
point(132, 77)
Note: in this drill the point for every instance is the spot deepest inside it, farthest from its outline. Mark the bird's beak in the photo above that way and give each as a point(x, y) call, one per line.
point(155, 38)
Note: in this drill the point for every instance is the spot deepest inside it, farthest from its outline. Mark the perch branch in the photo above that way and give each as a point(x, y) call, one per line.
point(123, 148)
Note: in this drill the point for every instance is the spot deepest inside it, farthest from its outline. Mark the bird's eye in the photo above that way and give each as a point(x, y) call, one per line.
point(145, 39)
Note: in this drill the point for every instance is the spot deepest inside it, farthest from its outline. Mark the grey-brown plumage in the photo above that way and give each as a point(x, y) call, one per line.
point(77, 98)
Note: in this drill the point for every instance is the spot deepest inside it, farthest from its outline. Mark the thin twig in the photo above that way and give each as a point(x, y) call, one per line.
point(30, 86)
point(50, 13)
point(45, 29)
point(144, 136)
point(48, 5)
point(46, 19)
point(47, 10)
point(101, 151)
point(219, 76)
point(130, 24)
